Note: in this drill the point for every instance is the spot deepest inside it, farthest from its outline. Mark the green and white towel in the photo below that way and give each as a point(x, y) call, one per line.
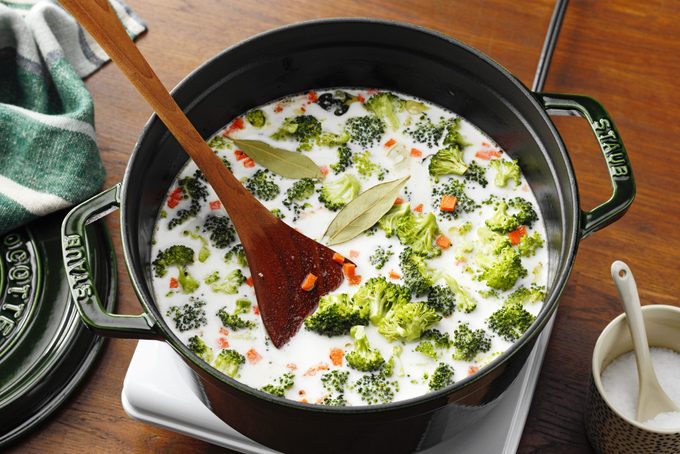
point(48, 151)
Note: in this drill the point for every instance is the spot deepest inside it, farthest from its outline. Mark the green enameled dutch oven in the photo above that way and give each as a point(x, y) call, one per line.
point(354, 53)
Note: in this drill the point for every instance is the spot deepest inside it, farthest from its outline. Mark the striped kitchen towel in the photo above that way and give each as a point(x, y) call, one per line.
point(48, 151)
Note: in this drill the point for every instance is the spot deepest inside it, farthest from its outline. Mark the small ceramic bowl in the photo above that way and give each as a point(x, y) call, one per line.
point(608, 430)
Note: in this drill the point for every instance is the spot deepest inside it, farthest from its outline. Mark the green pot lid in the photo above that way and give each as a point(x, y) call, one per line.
point(45, 350)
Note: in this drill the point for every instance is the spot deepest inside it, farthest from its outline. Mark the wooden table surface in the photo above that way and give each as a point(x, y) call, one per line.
point(623, 53)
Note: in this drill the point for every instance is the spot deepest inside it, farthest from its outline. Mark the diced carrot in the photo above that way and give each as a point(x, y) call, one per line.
point(336, 356)
point(313, 370)
point(354, 254)
point(291, 366)
point(223, 331)
point(278, 108)
point(311, 96)
point(416, 153)
point(517, 234)
point(249, 163)
point(349, 269)
point(389, 143)
point(448, 203)
point(172, 203)
point(174, 283)
point(249, 281)
point(308, 283)
point(525, 187)
point(222, 342)
point(325, 170)
point(488, 154)
point(321, 399)
point(303, 401)
point(302, 109)
point(394, 275)
point(355, 280)
point(398, 201)
point(472, 370)
point(256, 309)
point(361, 99)
point(240, 155)
point(236, 125)
point(419, 208)
point(175, 198)
point(485, 144)
point(215, 205)
point(253, 356)
point(337, 257)
point(443, 242)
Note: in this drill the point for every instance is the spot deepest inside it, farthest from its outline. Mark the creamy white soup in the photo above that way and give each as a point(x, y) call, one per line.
point(443, 283)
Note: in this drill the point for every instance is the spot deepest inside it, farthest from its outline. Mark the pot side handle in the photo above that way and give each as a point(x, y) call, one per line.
point(615, 155)
point(78, 271)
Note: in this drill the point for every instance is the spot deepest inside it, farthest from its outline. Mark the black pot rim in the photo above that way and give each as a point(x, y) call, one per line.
point(549, 306)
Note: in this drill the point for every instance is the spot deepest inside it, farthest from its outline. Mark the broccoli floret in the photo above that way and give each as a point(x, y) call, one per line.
point(407, 321)
point(256, 118)
point(442, 299)
point(376, 388)
point(476, 173)
point(261, 185)
point(204, 252)
point(335, 380)
point(281, 384)
point(366, 167)
point(441, 377)
point(502, 221)
point(242, 306)
point(336, 194)
point(426, 132)
point(178, 255)
point(394, 362)
point(386, 106)
point(218, 141)
point(188, 316)
point(393, 220)
point(528, 244)
point(365, 131)
point(187, 281)
point(427, 349)
point(447, 161)
point(468, 343)
point(337, 401)
point(237, 254)
point(330, 139)
point(464, 302)
point(228, 285)
point(506, 169)
point(222, 232)
point(440, 340)
point(524, 295)
point(300, 190)
point(363, 357)
point(337, 102)
point(378, 296)
point(501, 264)
point(200, 348)
point(380, 256)
point(278, 214)
point(304, 128)
point(455, 188)
point(420, 232)
point(233, 321)
point(524, 211)
point(196, 191)
point(453, 135)
point(229, 362)
point(344, 159)
point(510, 321)
point(417, 275)
point(336, 314)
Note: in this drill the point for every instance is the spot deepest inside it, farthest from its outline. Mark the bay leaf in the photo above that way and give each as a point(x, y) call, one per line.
point(288, 164)
point(363, 212)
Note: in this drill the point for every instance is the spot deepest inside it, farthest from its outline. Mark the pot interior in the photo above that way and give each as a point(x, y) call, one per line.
point(357, 53)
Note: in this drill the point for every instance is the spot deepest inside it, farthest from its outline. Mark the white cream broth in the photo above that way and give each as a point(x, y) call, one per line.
point(307, 355)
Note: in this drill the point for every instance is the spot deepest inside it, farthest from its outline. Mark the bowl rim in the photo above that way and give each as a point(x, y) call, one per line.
point(596, 369)
point(570, 245)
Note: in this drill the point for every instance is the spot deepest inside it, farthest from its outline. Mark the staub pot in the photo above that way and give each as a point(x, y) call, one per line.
point(353, 53)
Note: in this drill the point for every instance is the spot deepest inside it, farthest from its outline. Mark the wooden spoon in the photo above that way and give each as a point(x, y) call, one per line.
point(652, 399)
point(279, 257)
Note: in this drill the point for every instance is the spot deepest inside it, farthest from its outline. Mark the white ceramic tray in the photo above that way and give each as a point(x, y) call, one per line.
point(161, 390)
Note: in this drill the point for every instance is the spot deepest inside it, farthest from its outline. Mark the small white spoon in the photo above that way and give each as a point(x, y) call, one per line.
point(652, 399)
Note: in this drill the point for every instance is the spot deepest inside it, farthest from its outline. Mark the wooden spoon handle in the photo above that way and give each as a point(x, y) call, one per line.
point(101, 21)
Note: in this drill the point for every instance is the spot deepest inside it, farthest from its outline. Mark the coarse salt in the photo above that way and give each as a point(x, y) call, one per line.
point(621, 385)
